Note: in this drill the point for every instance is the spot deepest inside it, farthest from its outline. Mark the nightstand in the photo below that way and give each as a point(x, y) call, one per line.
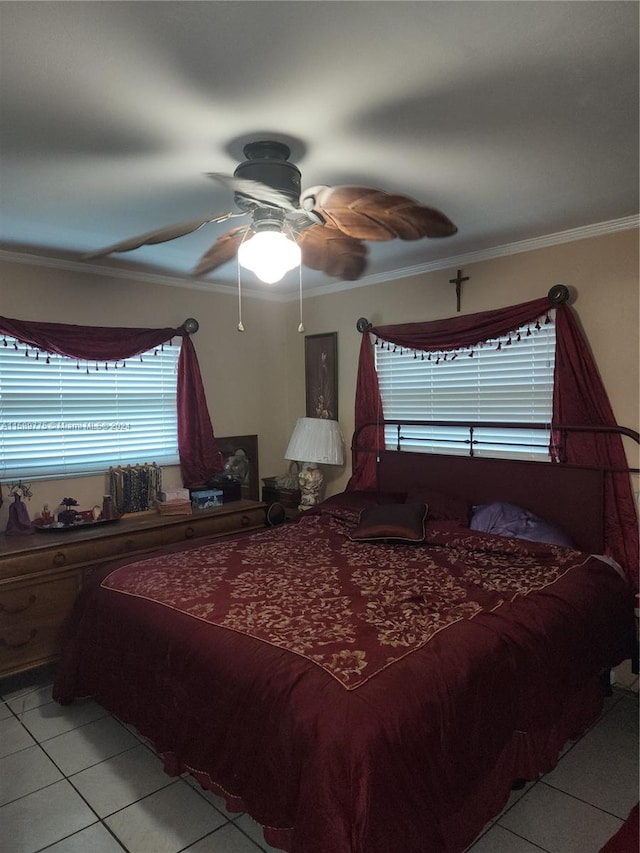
point(289, 498)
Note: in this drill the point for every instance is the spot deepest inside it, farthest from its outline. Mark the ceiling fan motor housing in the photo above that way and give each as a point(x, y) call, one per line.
point(267, 162)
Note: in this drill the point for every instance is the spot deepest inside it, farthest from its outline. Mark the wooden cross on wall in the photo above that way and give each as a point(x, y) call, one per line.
point(458, 282)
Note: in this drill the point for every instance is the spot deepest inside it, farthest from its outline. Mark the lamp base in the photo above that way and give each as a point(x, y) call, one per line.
point(310, 480)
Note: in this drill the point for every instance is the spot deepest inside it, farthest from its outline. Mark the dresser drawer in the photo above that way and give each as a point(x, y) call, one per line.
point(66, 553)
point(31, 616)
point(215, 525)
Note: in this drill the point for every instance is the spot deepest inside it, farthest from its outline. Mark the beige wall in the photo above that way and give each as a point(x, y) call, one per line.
point(602, 270)
point(255, 381)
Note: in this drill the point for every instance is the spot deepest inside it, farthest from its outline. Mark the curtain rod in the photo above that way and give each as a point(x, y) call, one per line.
point(557, 295)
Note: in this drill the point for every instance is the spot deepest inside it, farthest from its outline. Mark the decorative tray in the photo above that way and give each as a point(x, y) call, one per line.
point(57, 527)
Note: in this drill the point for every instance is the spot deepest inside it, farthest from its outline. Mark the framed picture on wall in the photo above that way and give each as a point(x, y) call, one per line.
point(321, 375)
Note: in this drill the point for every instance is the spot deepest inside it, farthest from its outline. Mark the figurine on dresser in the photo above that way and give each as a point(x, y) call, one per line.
point(19, 522)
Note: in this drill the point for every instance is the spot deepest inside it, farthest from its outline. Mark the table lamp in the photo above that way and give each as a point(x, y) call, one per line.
point(313, 441)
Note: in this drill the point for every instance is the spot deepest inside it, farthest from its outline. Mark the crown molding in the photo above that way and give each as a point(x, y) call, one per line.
point(69, 265)
point(583, 233)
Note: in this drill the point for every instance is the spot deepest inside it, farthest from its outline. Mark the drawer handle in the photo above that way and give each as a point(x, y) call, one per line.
point(59, 559)
point(188, 532)
point(19, 645)
point(245, 521)
point(20, 607)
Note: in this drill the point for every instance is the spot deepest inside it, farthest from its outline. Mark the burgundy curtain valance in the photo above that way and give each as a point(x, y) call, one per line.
point(197, 448)
point(579, 398)
point(87, 343)
point(463, 332)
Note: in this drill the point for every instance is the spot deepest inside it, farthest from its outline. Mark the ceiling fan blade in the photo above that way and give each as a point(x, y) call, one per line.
point(330, 250)
point(370, 214)
point(224, 249)
point(161, 236)
point(262, 194)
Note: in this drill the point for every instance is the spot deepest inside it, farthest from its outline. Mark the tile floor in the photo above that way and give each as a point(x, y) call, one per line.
point(75, 780)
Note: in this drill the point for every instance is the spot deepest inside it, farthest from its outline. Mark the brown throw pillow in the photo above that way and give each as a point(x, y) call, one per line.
point(396, 522)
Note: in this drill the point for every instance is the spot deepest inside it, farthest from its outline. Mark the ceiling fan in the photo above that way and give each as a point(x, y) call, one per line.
point(324, 228)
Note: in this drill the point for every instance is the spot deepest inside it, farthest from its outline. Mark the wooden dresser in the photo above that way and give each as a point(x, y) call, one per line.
point(41, 574)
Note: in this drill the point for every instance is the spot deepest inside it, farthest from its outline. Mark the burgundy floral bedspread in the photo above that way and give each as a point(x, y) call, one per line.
point(353, 697)
point(352, 608)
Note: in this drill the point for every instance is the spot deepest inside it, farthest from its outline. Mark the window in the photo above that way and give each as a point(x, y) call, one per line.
point(512, 383)
point(60, 417)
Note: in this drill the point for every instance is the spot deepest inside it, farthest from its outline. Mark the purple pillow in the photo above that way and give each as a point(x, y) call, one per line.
point(505, 519)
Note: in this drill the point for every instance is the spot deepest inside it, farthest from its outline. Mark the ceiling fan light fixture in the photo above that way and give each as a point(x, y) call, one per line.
point(269, 254)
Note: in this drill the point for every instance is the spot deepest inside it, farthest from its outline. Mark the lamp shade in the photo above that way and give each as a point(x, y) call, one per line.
point(316, 440)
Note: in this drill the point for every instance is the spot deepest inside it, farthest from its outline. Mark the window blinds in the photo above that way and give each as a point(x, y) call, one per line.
point(511, 383)
point(59, 417)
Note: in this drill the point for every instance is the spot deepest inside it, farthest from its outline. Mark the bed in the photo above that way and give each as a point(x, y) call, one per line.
point(378, 671)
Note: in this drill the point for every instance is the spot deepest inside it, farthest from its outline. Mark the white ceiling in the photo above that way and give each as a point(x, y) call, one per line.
point(516, 119)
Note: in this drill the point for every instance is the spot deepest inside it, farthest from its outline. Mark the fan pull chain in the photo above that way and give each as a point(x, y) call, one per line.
point(301, 328)
point(240, 325)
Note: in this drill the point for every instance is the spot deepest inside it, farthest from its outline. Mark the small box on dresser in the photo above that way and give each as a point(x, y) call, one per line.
point(206, 498)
